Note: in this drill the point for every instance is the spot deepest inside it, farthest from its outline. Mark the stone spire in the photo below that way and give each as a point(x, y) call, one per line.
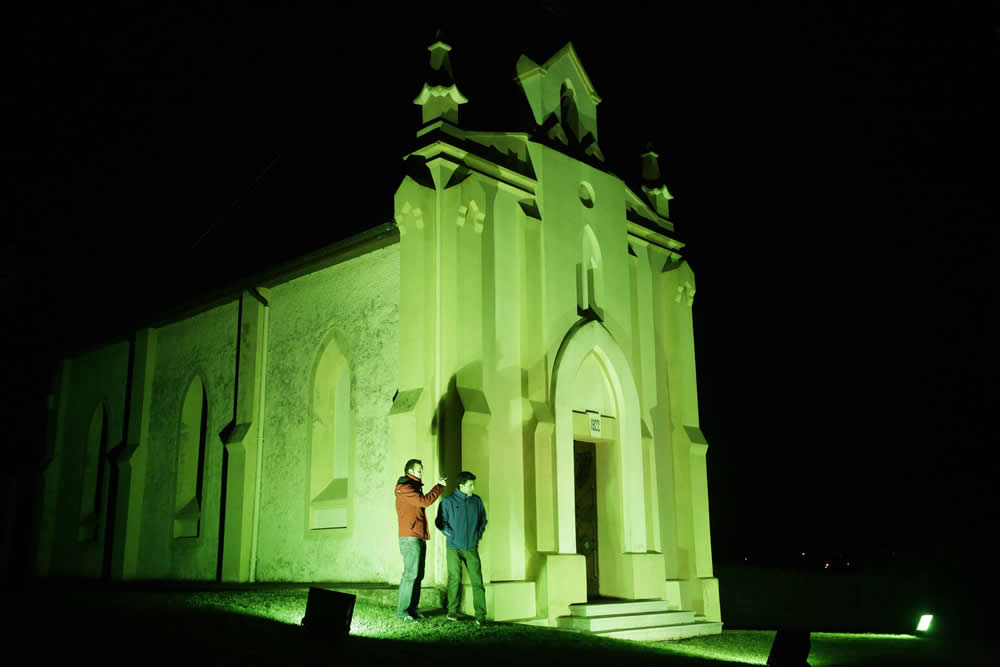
point(439, 97)
point(652, 183)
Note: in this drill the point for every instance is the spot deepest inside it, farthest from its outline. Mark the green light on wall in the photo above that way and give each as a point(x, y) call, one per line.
point(925, 623)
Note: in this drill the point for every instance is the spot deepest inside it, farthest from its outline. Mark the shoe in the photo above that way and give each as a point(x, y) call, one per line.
point(417, 616)
point(480, 623)
point(405, 619)
point(452, 617)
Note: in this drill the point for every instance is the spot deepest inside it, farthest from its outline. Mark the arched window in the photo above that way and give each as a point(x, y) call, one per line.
point(329, 465)
point(590, 278)
point(191, 461)
point(568, 113)
point(93, 475)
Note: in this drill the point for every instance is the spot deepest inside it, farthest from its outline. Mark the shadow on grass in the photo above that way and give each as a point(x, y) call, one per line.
point(114, 628)
point(120, 630)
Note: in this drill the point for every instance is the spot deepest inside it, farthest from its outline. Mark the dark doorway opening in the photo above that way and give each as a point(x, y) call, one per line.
point(585, 469)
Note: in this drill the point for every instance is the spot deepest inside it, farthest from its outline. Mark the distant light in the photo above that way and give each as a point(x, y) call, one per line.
point(826, 566)
point(925, 623)
point(803, 553)
point(848, 564)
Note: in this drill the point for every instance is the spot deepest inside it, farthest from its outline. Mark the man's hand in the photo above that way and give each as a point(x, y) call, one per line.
point(443, 481)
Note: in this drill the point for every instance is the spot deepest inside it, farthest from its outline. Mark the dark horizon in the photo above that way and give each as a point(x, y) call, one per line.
point(826, 165)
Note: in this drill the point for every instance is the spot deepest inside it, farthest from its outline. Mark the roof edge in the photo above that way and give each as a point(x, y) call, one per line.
point(362, 243)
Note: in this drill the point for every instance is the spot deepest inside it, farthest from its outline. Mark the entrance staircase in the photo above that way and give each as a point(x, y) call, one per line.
point(643, 620)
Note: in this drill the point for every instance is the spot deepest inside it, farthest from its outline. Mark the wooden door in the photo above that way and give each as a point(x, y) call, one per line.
point(585, 468)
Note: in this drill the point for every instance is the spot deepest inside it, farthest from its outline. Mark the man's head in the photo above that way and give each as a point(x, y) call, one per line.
point(466, 482)
point(414, 467)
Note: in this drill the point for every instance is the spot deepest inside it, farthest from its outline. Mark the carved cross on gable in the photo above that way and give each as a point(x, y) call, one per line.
point(471, 211)
point(685, 292)
point(409, 216)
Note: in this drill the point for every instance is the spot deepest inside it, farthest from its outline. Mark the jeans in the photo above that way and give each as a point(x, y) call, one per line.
point(475, 569)
point(414, 552)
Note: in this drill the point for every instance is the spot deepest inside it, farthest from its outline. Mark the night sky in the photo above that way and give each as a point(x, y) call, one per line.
point(834, 175)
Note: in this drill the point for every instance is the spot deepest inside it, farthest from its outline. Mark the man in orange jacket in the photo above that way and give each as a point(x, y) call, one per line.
point(413, 535)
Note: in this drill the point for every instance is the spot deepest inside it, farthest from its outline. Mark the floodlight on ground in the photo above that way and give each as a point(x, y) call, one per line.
point(328, 613)
point(790, 648)
point(925, 623)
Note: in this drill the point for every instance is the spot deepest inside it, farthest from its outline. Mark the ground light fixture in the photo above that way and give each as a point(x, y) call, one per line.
point(790, 648)
point(328, 613)
point(925, 623)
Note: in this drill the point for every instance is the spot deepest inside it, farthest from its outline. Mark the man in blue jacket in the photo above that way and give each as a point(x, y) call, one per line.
point(462, 518)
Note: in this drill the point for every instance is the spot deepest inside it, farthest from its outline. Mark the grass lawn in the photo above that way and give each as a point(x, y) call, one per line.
point(262, 626)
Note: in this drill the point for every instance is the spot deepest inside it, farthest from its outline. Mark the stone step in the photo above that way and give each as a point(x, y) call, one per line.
point(665, 632)
point(541, 621)
point(596, 624)
point(618, 608)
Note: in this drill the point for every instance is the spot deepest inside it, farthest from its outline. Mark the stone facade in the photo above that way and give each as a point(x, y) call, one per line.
point(527, 316)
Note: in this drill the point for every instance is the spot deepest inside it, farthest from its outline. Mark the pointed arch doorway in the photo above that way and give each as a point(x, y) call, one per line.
point(597, 424)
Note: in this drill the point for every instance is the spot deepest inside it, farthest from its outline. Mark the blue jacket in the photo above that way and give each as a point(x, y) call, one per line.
point(463, 519)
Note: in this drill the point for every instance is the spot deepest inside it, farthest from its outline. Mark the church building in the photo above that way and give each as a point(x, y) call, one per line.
point(526, 316)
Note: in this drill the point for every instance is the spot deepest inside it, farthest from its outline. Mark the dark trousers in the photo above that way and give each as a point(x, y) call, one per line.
point(475, 569)
point(414, 551)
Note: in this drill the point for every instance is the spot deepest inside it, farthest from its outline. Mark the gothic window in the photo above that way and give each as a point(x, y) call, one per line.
point(331, 441)
point(191, 461)
point(93, 475)
point(590, 278)
point(568, 113)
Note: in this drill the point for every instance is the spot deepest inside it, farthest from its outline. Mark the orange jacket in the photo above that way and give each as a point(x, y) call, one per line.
point(410, 504)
